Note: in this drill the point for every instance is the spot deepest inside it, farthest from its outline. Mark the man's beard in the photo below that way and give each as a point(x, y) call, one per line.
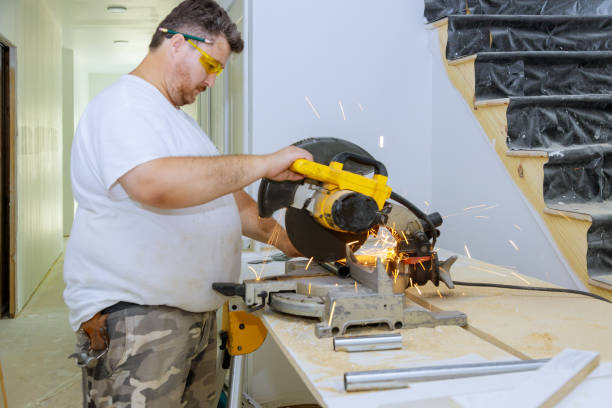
point(184, 92)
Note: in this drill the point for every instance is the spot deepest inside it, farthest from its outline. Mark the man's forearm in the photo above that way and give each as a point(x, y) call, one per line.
point(177, 182)
point(262, 229)
point(253, 226)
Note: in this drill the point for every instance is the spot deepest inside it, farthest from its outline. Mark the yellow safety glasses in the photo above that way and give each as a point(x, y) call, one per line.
point(211, 65)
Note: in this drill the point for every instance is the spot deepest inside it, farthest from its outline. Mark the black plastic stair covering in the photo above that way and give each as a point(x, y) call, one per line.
point(438, 9)
point(501, 75)
point(471, 34)
point(583, 175)
point(599, 252)
point(554, 122)
point(578, 175)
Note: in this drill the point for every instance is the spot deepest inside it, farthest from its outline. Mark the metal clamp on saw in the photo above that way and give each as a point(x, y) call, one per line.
point(330, 214)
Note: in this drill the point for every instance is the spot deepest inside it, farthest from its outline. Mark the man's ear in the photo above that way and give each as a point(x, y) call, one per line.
point(176, 41)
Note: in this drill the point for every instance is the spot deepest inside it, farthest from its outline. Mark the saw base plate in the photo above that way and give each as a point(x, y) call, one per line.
point(343, 303)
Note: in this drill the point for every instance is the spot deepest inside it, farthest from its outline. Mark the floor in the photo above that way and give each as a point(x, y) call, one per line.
point(34, 349)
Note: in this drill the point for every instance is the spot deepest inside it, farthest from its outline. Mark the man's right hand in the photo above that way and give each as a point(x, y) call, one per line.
point(278, 163)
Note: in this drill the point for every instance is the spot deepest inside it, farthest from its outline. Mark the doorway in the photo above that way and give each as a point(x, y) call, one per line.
point(7, 178)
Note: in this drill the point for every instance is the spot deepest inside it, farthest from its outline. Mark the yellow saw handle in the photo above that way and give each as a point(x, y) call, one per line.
point(336, 178)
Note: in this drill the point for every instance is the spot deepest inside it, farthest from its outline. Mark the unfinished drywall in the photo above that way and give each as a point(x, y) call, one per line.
point(37, 36)
point(433, 145)
point(363, 66)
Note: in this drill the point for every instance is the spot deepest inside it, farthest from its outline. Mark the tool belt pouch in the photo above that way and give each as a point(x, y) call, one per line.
point(95, 328)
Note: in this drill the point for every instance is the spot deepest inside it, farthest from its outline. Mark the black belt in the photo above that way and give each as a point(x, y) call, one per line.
point(118, 307)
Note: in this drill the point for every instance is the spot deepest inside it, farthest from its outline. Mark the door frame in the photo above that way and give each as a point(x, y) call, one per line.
point(8, 187)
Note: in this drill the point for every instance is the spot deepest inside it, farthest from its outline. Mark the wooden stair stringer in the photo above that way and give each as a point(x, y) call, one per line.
point(527, 172)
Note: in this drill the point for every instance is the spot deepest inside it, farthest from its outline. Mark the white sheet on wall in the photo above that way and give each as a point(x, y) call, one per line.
point(364, 66)
point(360, 70)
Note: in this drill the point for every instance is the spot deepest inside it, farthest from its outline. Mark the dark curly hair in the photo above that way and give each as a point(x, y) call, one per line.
point(201, 18)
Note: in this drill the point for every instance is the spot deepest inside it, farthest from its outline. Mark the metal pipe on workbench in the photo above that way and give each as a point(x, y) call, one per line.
point(399, 378)
point(368, 343)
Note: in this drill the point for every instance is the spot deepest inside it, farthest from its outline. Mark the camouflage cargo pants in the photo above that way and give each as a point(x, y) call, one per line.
point(158, 356)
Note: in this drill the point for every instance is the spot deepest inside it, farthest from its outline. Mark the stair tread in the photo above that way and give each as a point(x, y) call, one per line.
point(528, 17)
point(590, 208)
point(544, 54)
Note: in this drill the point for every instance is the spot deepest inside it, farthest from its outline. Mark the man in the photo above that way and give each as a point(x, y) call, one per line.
point(159, 220)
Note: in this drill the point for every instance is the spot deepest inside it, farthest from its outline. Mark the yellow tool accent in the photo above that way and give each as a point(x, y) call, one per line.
point(336, 178)
point(246, 332)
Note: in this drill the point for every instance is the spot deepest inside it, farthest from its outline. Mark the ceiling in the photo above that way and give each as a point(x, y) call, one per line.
point(89, 29)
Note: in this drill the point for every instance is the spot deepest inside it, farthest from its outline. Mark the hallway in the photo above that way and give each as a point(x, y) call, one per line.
point(34, 348)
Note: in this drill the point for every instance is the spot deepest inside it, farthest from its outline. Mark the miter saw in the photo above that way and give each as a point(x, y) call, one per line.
point(329, 216)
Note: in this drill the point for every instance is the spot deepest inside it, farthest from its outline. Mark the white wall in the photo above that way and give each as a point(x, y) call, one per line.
point(68, 133)
point(467, 172)
point(380, 55)
point(38, 38)
point(357, 52)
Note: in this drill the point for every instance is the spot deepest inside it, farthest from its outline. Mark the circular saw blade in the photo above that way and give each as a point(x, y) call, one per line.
point(314, 240)
point(308, 236)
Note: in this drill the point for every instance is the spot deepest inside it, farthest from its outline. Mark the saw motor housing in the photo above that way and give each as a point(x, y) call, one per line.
point(345, 201)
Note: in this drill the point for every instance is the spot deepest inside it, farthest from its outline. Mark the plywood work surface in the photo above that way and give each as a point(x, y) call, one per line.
point(537, 324)
point(504, 324)
point(322, 369)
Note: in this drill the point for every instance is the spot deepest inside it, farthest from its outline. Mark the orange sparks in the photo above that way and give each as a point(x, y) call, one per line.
point(481, 216)
point(422, 266)
point(563, 215)
point(513, 244)
point(351, 243)
point(520, 277)
point(381, 141)
point(474, 206)
point(404, 235)
point(273, 240)
point(418, 290)
point(411, 284)
point(331, 315)
point(491, 206)
point(356, 290)
point(342, 110)
point(312, 107)
point(439, 294)
point(467, 251)
point(489, 271)
point(308, 264)
point(254, 272)
point(309, 287)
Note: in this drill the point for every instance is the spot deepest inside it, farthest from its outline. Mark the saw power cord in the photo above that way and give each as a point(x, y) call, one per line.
point(538, 288)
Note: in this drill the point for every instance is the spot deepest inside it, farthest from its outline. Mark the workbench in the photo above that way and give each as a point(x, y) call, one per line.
point(504, 324)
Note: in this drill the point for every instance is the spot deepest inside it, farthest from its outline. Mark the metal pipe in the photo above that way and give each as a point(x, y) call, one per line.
point(234, 396)
point(385, 379)
point(368, 343)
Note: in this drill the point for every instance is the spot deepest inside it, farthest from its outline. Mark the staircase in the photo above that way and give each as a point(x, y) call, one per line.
point(538, 77)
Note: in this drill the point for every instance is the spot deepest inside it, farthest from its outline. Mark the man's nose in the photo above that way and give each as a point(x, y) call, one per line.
point(210, 80)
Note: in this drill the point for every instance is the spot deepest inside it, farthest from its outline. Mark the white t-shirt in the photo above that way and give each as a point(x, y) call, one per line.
point(120, 250)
